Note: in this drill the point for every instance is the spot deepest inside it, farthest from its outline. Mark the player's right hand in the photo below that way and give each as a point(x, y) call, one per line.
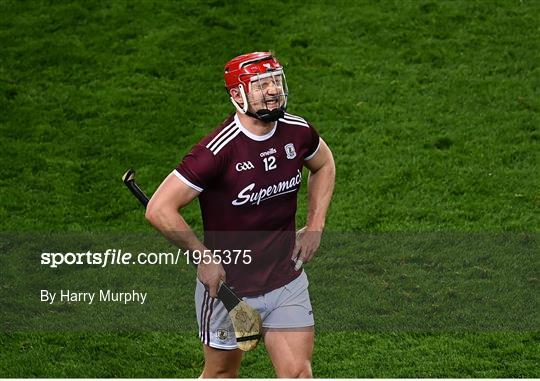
point(211, 275)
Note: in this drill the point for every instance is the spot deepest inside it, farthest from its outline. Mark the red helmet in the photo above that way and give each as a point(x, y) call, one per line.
point(241, 69)
point(248, 69)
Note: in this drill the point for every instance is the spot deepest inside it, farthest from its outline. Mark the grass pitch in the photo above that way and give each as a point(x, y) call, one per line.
point(431, 110)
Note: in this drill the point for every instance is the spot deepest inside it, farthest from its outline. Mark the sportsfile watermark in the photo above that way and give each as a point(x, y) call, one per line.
point(384, 282)
point(111, 257)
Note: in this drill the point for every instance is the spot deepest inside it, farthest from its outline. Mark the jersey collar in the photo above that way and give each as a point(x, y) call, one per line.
point(251, 135)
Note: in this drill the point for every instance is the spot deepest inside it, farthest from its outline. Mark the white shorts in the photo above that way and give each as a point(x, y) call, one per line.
point(285, 307)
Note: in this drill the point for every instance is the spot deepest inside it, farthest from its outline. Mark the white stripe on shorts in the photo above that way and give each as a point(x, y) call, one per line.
point(204, 334)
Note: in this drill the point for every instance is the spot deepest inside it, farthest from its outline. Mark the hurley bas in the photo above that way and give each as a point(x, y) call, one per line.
point(89, 297)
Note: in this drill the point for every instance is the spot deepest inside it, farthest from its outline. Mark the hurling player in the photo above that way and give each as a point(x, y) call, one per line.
point(246, 174)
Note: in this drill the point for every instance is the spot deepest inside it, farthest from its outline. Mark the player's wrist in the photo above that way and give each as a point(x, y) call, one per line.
point(211, 261)
point(315, 227)
point(204, 258)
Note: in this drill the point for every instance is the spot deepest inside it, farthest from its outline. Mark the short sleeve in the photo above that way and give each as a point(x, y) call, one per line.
point(198, 168)
point(314, 142)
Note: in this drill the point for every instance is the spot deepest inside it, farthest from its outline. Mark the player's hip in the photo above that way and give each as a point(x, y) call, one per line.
point(285, 307)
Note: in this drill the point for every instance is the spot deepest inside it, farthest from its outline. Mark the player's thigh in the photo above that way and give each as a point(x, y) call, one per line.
point(290, 350)
point(221, 363)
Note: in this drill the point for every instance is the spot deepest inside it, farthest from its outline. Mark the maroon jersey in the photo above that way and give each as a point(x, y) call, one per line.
point(249, 186)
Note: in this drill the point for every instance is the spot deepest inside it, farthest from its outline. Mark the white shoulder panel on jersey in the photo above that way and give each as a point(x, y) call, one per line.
point(293, 119)
point(225, 136)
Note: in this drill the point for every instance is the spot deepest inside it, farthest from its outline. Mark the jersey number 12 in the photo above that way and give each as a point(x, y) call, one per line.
point(269, 163)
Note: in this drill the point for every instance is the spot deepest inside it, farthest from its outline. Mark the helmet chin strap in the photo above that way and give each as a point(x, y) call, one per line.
point(267, 116)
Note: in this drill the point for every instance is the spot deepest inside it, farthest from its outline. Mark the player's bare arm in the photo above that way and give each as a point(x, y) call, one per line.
point(320, 187)
point(163, 212)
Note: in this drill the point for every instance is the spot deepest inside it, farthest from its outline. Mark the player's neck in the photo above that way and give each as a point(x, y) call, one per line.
point(255, 126)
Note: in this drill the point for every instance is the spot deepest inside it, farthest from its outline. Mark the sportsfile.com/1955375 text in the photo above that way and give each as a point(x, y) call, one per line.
point(120, 257)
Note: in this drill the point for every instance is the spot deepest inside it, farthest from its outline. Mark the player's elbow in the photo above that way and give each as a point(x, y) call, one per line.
point(154, 214)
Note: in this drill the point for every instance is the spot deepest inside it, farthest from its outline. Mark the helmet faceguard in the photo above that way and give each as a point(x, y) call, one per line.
point(261, 83)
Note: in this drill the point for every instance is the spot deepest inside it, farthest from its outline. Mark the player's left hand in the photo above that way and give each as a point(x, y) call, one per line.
point(307, 243)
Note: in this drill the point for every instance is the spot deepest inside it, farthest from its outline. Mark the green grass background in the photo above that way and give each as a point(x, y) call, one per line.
point(430, 107)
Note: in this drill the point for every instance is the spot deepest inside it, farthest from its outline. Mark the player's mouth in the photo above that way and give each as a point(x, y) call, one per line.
point(271, 104)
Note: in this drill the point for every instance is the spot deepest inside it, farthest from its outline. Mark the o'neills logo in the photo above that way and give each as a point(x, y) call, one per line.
point(287, 186)
point(271, 151)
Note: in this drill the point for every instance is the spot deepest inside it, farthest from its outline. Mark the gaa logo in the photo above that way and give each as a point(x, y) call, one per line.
point(289, 150)
point(244, 166)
